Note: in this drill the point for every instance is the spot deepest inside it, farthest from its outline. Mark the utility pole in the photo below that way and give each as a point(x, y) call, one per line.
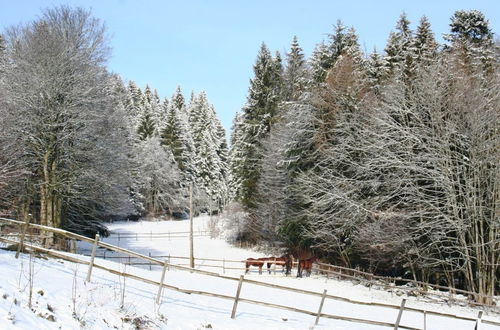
point(191, 253)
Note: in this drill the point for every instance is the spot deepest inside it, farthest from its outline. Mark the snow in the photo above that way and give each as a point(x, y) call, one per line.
point(60, 291)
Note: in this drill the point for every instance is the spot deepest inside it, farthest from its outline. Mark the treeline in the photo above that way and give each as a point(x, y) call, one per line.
point(387, 161)
point(78, 146)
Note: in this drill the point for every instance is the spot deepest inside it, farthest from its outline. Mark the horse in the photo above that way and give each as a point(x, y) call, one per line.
point(305, 264)
point(255, 262)
point(286, 262)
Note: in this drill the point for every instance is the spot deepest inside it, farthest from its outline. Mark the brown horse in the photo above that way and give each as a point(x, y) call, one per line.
point(285, 261)
point(306, 264)
point(255, 262)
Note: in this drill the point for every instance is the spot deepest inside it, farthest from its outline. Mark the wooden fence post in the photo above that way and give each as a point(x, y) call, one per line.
point(161, 282)
point(396, 325)
point(478, 321)
point(72, 246)
point(233, 313)
point(92, 257)
point(320, 307)
point(21, 241)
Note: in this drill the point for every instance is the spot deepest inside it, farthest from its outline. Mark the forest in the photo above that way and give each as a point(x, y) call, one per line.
point(386, 161)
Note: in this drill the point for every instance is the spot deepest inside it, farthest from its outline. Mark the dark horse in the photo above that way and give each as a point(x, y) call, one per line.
point(305, 265)
point(255, 262)
point(286, 262)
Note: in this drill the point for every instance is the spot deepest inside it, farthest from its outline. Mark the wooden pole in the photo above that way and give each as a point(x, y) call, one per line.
point(425, 320)
point(320, 307)
point(160, 287)
point(73, 247)
point(396, 325)
point(92, 257)
point(478, 321)
point(191, 245)
point(233, 313)
point(23, 233)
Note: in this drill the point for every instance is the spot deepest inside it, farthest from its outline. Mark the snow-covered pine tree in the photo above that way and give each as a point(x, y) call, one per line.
point(236, 157)
point(295, 73)
point(399, 49)
point(376, 71)
point(146, 124)
point(424, 43)
point(318, 64)
point(209, 141)
point(160, 179)
point(258, 116)
point(176, 136)
point(472, 39)
point(135, 100)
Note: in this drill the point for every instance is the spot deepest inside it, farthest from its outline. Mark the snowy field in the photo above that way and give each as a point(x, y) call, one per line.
point(61, 298)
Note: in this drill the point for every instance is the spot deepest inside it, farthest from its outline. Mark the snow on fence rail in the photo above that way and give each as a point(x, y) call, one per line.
point(318, 314)
point(151, 235)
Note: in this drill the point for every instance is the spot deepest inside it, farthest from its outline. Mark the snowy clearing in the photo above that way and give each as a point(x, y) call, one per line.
point(61, 298)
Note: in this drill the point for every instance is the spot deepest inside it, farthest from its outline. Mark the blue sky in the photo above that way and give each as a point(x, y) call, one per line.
point(212, 45)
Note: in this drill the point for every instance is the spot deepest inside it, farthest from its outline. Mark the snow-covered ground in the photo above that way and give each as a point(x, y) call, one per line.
point(62, 299)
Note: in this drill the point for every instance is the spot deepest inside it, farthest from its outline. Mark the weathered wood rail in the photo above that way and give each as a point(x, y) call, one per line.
point(152, 260)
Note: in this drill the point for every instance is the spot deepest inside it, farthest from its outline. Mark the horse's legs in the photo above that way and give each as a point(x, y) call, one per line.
point(269, 267)
point(247, 268)
point(260, 268)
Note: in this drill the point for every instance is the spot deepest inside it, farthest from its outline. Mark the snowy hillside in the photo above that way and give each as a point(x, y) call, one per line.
point(62, 299)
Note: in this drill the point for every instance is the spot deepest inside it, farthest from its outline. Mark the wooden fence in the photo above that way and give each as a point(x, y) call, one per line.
point(166, 235)
point(241, 280)
point(329, 271)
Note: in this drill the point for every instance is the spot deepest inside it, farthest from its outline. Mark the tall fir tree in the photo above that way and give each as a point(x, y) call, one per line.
point(208, 139)
point(258, 116)
point(471, 39)
point(398, 51)
point(424, 43)
point(295, 73)
point(318, 64)
point(176, 136)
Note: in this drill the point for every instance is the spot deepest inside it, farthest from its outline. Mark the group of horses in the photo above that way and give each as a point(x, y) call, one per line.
point(304, 266)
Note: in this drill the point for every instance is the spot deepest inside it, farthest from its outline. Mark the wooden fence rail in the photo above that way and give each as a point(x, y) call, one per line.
point(183, 268)
point(203, 293)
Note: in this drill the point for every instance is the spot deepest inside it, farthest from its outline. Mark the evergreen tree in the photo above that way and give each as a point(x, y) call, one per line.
point(318, 64)
point(338, 44)
point(424, 43)
point(176, 136)
point(376, 71)
point(209, 141)
point(147, 125)
point(259, 114)
point(472, 40)
point(236, 157)
point(295, 74)
point(178, 100)
point(398, 51)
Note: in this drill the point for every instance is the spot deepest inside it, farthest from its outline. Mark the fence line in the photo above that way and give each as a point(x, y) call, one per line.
point(204, 293)
point(371, 279)
point(156, 261)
